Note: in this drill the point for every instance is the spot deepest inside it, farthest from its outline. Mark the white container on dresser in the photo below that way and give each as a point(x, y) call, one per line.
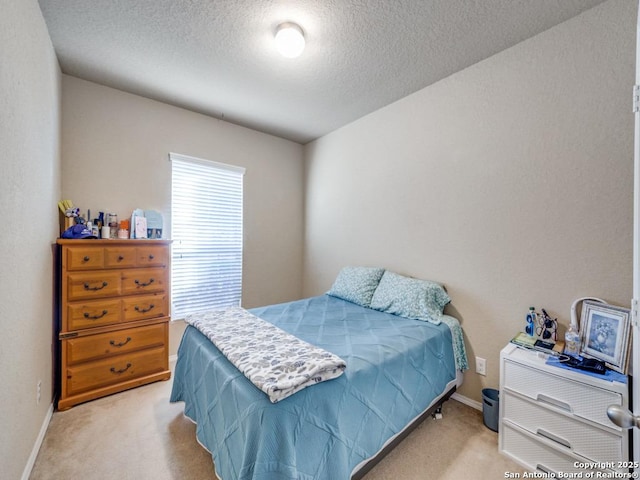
point(554, 420)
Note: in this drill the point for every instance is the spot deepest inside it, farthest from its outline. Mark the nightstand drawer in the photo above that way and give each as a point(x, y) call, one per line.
point(102, 345)
point(539, 456)
point(102, 373)
point(567, 431)
point(580, 399)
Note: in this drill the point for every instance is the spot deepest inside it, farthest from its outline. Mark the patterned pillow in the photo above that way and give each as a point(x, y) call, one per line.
point(356, 284)
point(410, 297)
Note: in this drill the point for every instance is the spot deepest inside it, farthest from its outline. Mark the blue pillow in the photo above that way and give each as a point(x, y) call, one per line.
point(410, 297)
point(356, 284)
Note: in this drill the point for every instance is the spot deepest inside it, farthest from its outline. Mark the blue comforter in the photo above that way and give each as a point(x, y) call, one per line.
point(395, 368)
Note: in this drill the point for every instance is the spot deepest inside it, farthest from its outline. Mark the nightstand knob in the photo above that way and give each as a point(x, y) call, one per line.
point(622, 417)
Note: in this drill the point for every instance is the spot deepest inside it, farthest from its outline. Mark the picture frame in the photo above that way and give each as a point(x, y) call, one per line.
point(604, 334)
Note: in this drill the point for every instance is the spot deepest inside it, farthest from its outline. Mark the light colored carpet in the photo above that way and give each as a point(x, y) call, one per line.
point(139, 435)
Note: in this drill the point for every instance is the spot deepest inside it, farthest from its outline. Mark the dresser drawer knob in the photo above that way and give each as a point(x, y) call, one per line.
point(140, 284)
point(120, 258)
point(144, 310)
point(120, 344)
point(122, 370)
point(88, 287)
point(95, 317)
point(151, 257)
point(86, 258)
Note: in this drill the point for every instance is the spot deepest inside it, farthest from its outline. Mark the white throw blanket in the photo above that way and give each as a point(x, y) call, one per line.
point(278, 363)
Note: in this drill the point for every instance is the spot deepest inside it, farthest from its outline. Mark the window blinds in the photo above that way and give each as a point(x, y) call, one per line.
point(206, 229)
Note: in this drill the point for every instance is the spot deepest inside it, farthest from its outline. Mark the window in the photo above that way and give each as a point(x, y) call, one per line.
point(206, 229)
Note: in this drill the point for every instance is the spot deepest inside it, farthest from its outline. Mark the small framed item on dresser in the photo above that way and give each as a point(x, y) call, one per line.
point(605, 332)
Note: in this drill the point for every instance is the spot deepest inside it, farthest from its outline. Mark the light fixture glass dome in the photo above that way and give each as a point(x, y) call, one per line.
point(289, 40)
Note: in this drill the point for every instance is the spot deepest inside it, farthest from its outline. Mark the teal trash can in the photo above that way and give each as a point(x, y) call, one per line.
point(490, 408)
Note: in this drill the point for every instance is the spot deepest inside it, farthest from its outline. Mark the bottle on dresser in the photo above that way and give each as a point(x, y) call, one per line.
point(572, 341)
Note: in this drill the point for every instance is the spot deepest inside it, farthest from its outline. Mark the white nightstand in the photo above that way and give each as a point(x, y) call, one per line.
point(555, 420)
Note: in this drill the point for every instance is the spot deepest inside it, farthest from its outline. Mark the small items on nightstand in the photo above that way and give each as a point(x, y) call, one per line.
point(541, 325)
point(548, 327)
point(525, 341)
point(572, 341)
point(588, 365)
point(532, 319)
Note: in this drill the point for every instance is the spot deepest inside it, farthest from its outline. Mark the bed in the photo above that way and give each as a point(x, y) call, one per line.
point(398, 371)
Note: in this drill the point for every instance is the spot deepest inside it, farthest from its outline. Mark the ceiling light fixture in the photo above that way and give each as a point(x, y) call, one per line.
point(289, 40)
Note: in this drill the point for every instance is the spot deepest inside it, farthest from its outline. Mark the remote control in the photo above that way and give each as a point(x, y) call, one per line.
point(588, 364)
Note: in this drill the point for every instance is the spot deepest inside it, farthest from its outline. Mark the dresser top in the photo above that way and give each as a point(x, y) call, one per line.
point(84, 242)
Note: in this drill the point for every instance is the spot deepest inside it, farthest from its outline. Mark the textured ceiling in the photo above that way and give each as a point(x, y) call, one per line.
point(217, 56)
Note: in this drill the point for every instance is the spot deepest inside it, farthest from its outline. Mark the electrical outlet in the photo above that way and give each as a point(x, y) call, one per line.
point(481, 366)
point(39, 394)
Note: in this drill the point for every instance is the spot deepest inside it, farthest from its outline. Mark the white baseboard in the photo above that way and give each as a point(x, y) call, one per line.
point(467, 401)
point(36, 447)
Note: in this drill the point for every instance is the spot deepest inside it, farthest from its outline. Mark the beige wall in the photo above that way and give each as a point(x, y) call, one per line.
point(115, 150)
point(29, 190)
point(511, 182)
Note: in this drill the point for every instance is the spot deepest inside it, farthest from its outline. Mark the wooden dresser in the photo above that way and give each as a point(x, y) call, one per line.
point(114, 315)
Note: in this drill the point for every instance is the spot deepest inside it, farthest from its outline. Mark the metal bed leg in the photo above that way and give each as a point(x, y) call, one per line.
point(437, 413)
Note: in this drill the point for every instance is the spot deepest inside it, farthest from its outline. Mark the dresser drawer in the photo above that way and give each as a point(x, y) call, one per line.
point(119, 257)
point(152, 256)
point(85, 258)
point(92, 375)
point(144, 280)
point(93, 313)
point(567, 431)
point(581, 399)
point(93, 347)
point(538, 456)
point(140, 307)
point(81, 286)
